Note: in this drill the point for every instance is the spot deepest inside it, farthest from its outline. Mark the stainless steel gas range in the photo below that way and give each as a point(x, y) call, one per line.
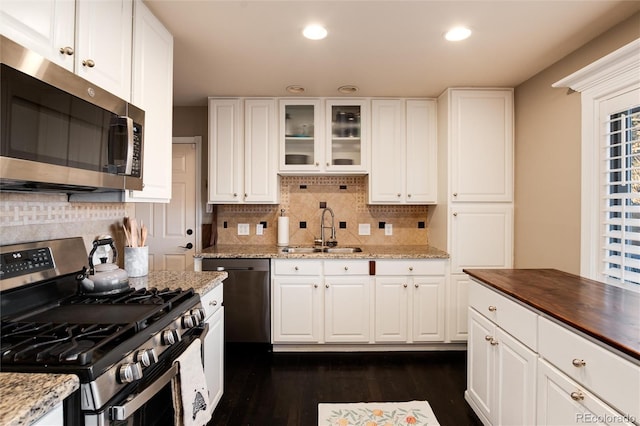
point(122, 346)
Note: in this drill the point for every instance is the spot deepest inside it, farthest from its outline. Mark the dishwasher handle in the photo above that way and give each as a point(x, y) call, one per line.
point(234, 268)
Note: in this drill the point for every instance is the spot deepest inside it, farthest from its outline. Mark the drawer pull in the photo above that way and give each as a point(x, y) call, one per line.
point(327, 285)
point(410, 268)
point(578, 362)
point(315, 286)
point(488, 338)
point(577, 396)
point(493, 342)
point(416, 286)
point(404, 285)
point(213, 303)
point(492, 308)
point(346, 268)
point(295, 268)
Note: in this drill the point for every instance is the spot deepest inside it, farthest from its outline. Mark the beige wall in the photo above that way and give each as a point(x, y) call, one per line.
point(547, 158)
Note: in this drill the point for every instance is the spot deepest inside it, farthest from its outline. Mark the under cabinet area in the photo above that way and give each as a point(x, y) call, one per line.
point(358, 301)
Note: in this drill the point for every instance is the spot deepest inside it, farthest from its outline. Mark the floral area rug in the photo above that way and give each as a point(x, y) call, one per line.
point(417, 413)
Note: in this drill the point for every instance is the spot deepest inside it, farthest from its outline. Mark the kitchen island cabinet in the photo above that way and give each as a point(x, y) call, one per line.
point(584, 338)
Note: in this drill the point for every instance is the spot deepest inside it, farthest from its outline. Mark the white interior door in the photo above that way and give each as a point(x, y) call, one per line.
point(172, 226)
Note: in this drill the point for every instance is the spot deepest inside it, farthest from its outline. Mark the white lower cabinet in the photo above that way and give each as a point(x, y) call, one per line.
point(340, 301)
point(563, 402)
point(410, 301)
point(213, 345)
point(55, 416)
point(525, 369)
point(296, 309)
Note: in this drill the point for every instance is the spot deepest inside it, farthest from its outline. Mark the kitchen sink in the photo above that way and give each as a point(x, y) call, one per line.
point(342, 250)
point(302, 250)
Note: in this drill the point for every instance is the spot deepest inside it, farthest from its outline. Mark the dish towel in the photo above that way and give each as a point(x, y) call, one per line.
point(190, 393)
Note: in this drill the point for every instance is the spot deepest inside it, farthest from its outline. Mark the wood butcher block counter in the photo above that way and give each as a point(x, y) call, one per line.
point(607, 313)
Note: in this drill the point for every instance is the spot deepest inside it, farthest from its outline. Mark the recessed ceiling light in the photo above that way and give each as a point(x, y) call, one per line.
point(314, 32)
point(348, 89)
point(295, 89)
point(457, 34)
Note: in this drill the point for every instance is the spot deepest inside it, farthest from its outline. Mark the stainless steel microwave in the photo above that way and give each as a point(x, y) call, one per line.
point(59, 132)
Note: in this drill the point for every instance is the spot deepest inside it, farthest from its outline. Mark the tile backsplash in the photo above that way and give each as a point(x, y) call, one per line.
point(37, 216)
point(301, 198)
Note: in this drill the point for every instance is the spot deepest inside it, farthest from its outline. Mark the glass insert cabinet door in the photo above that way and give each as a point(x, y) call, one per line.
point(346, 133)
point(300, 130)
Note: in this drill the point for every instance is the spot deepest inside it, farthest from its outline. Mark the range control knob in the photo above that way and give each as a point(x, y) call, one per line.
point(189, 321)
point(199, 313)
point(169, 337)
point(146, 357)
point(128, 373)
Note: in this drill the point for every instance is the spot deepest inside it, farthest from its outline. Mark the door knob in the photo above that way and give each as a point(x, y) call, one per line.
point(189, 231)
point(189, 246)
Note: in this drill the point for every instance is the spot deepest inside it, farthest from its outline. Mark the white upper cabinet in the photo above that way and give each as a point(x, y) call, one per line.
point(481, 137)
point(331, 140)
point(91, 38)
point(153, 92)
point(403, 152)
point(243, 151)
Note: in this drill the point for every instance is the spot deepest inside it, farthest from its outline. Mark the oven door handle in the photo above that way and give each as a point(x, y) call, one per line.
point(124, 411)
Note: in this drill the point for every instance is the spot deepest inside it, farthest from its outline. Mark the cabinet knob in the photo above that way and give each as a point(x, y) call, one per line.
point(326, 285)
point(399, 195)
point(408, 195)
point(488, 338)
point(315, 286)
point(327, 164)
point(346, 268)
point(89, 63)
point(67, 50)
point(416, 286)
point(235, 194)
point(455, 194)
point(245, 195)
point(578, 362)
point(317, 163)
point(492, 308)
point(577, 396)
point(213, 303)
point(493, 342)
point(404, 285)
point(295, 268)
point(410, 268)
point(455, 214)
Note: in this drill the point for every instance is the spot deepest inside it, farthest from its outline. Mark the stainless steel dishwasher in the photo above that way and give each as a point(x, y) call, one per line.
point(247, 298)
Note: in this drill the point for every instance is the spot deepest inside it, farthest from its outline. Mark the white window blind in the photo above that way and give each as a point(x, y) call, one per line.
point(621, 196)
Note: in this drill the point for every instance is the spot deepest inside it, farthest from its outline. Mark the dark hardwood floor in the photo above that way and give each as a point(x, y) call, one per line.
point(273, 389)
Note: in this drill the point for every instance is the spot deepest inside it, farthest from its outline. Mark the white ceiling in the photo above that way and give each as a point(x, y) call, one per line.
point(386, 48)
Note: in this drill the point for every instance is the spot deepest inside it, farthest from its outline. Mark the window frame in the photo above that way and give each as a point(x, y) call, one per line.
point(604, 79)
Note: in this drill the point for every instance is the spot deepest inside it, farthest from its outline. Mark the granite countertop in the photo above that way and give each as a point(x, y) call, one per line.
point(27, 397)
point(607, 313)
point(368, 252)
point(202, 282)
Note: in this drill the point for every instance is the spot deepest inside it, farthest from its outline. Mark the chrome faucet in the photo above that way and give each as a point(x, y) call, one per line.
point(332, 240)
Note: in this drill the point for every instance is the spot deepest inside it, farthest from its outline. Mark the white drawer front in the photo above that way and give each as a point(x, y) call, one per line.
point(297, 267)
point(511, 316)
point(346, 267)
point(411, 267)
point(606, 374)
point(212, 301)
